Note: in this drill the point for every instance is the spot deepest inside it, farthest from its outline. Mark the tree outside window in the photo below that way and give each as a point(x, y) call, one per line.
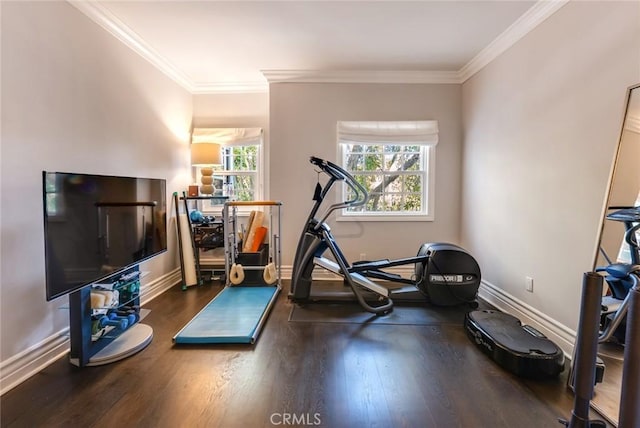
point(397, 174)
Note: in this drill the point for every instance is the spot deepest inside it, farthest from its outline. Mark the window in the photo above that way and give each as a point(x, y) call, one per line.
point(238, 178)
point(395, 162)
point(53, 197)
point(240, 174)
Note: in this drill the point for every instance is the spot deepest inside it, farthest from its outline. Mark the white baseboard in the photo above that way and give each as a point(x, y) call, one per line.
point(558, 333)
point(29, 362)
point(150, 291)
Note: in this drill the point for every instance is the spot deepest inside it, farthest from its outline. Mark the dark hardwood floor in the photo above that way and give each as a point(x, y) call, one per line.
point(322, 374)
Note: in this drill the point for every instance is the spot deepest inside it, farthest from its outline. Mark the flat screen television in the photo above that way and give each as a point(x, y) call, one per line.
point(96, 226)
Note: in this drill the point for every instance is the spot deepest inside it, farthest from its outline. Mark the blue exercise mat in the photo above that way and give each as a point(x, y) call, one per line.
point(235, 315)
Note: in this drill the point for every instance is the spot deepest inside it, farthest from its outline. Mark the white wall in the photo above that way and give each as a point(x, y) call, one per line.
point(73, 99)
point(303, 121)
point(541, 124)
point(241, 110)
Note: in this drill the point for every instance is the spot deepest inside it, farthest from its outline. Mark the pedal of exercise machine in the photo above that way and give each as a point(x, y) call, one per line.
point(521, 349)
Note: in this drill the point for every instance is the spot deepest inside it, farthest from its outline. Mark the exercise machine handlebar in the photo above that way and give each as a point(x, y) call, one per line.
point(329, 167)
point(337, 173)
point(630, 239)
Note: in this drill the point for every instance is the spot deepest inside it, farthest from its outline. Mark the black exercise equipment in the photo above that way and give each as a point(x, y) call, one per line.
point(445, 274)
point(521, 349)
point(585, 355)
point(620, 277)
point(615, 306)
point(612, 311)
point(586, 352)
point(629, 415)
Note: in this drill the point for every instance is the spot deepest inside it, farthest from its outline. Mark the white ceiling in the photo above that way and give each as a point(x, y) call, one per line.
point(210, 46)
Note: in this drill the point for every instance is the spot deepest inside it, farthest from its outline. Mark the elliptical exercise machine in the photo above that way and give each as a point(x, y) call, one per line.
point(445, 274)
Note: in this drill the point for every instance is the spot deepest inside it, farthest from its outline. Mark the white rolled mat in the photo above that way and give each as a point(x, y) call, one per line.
point(190, 277)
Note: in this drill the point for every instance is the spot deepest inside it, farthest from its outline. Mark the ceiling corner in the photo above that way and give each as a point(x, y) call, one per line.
point(107, 20)
point(533, 17)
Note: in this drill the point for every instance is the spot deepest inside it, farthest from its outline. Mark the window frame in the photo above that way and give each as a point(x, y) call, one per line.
point(230, 139)
point(428, 154)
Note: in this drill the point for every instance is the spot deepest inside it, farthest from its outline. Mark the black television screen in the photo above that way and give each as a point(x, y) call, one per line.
point(96, 226)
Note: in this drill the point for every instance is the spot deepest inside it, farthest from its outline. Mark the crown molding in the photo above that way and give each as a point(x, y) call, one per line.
point(107, 20)
point(533, 17)
point(538, 13)
point(359, 76)
point(230, 88)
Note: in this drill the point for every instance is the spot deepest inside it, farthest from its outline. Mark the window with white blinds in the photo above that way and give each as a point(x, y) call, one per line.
point(394, 161)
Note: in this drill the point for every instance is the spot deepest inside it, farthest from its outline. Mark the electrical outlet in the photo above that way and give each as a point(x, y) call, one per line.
point(363, 256)
point(529, 284)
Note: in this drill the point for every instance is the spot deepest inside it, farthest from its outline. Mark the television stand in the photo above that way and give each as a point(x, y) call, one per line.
point(115, 342)
point(132, 340)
